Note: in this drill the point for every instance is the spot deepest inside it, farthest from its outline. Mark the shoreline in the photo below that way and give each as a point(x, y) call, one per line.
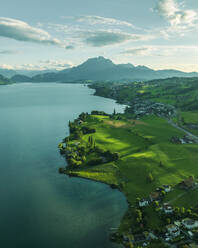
point(72, 173)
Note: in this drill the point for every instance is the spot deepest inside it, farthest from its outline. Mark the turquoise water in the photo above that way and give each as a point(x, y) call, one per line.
point(39, 207)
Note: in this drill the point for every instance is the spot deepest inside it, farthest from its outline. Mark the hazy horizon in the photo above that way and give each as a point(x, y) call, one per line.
point(159, 34)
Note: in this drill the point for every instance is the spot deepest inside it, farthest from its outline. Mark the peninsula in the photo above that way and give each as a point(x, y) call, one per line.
point(150, 157)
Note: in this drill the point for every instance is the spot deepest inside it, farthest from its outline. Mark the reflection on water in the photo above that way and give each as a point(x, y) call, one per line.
point(40, 208)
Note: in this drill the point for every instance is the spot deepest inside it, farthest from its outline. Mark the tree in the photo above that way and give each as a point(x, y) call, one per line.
point(138, 214)
point(183, 210)
point(177, 211)
point(150, 178)
point(156, 204)
point(137, 200)
point(163, 193)
point(115, 156)
point(168, 220)
point(189, 211)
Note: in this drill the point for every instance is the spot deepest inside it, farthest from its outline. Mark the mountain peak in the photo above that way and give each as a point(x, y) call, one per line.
point(99, 59)
point(99, 63)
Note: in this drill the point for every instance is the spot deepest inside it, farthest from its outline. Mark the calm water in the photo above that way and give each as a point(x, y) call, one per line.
point(38, 207)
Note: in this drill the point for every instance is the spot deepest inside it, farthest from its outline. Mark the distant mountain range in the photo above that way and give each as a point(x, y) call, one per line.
point(4, 80)
point(29, 73)
point(99, 68)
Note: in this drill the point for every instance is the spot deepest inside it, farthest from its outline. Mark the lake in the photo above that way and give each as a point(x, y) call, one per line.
point(39, 207)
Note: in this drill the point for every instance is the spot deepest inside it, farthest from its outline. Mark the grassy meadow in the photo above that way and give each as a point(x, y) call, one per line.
point(145, 148)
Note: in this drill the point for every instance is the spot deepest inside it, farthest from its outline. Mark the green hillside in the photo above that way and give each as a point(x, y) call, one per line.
point(144, 148)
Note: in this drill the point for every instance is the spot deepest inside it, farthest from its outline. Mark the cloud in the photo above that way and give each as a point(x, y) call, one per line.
point(105, 38)
point(175, 15)
point(93, 20)
point(55, 64)
point(69, 47)
point(161, 51)
point(41, 65)
point(5, 52)
point(7, 67)
point(141, 51)
point(21, 31)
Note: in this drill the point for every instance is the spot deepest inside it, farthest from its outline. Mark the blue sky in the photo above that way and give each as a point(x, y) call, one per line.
point(58, 34)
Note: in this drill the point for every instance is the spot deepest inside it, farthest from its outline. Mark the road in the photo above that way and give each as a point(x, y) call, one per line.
point(183, 130)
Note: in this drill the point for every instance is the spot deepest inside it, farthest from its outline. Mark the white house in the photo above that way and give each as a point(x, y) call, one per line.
point(167, 188)
point(177, 223)
point(189, 223)
point(167, 208)
point(143, 203)
point(173, 230)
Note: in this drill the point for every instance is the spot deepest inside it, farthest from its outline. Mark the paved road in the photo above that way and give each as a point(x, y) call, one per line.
point(183, 130)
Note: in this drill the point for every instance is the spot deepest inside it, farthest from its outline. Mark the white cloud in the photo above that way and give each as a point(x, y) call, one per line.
point(93, 20)
point(41, 65)
point(56, 64)
point(96, 37)
point(102, 38)
point(160, 51)
point(21, 31)
point(139, 51)
point(5, 66)
point(175, 15)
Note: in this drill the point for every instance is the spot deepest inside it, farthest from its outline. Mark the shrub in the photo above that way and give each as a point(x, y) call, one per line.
point(150, 178)
point(95, 161)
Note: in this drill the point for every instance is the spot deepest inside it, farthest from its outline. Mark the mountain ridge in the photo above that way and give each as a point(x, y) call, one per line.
point(100, 68)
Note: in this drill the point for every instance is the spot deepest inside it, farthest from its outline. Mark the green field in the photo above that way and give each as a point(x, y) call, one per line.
point(145, 147)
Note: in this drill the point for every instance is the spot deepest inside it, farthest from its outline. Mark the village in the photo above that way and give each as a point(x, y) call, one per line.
point(186, 139)
point(140, 108)
point(143, 108)
point(155, 217)
point(179, 227)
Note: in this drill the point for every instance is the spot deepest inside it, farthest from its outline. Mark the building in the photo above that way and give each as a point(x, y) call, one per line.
point(177, 223)
point(143, 203)
point(167, 208)
point(173, 230)
point(167, 188)
point(154, 196)
point(188, 183)
point(189, 223)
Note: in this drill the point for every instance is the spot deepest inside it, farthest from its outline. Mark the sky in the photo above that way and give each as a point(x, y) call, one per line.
point(48, 34)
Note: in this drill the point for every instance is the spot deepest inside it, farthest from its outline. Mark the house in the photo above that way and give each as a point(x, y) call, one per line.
point(188, 183)
point(190, 234)
point(189, 223)
point(177, 223)
point(140, 238)
point(167, 208)
point(173, 230)
point(154, 196)
point(80, 122)
point(143, 203)
point(167, 188)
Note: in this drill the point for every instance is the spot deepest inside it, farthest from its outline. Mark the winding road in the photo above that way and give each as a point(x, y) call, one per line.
point(183, 130)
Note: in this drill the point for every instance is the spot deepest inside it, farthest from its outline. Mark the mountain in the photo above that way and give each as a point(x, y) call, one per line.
point(4, 80)
point(20, 78)
point(32, 73)
point(7, 73)
point(101, 69)
point(29, 73)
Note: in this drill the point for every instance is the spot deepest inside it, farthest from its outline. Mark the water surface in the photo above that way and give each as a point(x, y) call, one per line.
point(39, 207)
